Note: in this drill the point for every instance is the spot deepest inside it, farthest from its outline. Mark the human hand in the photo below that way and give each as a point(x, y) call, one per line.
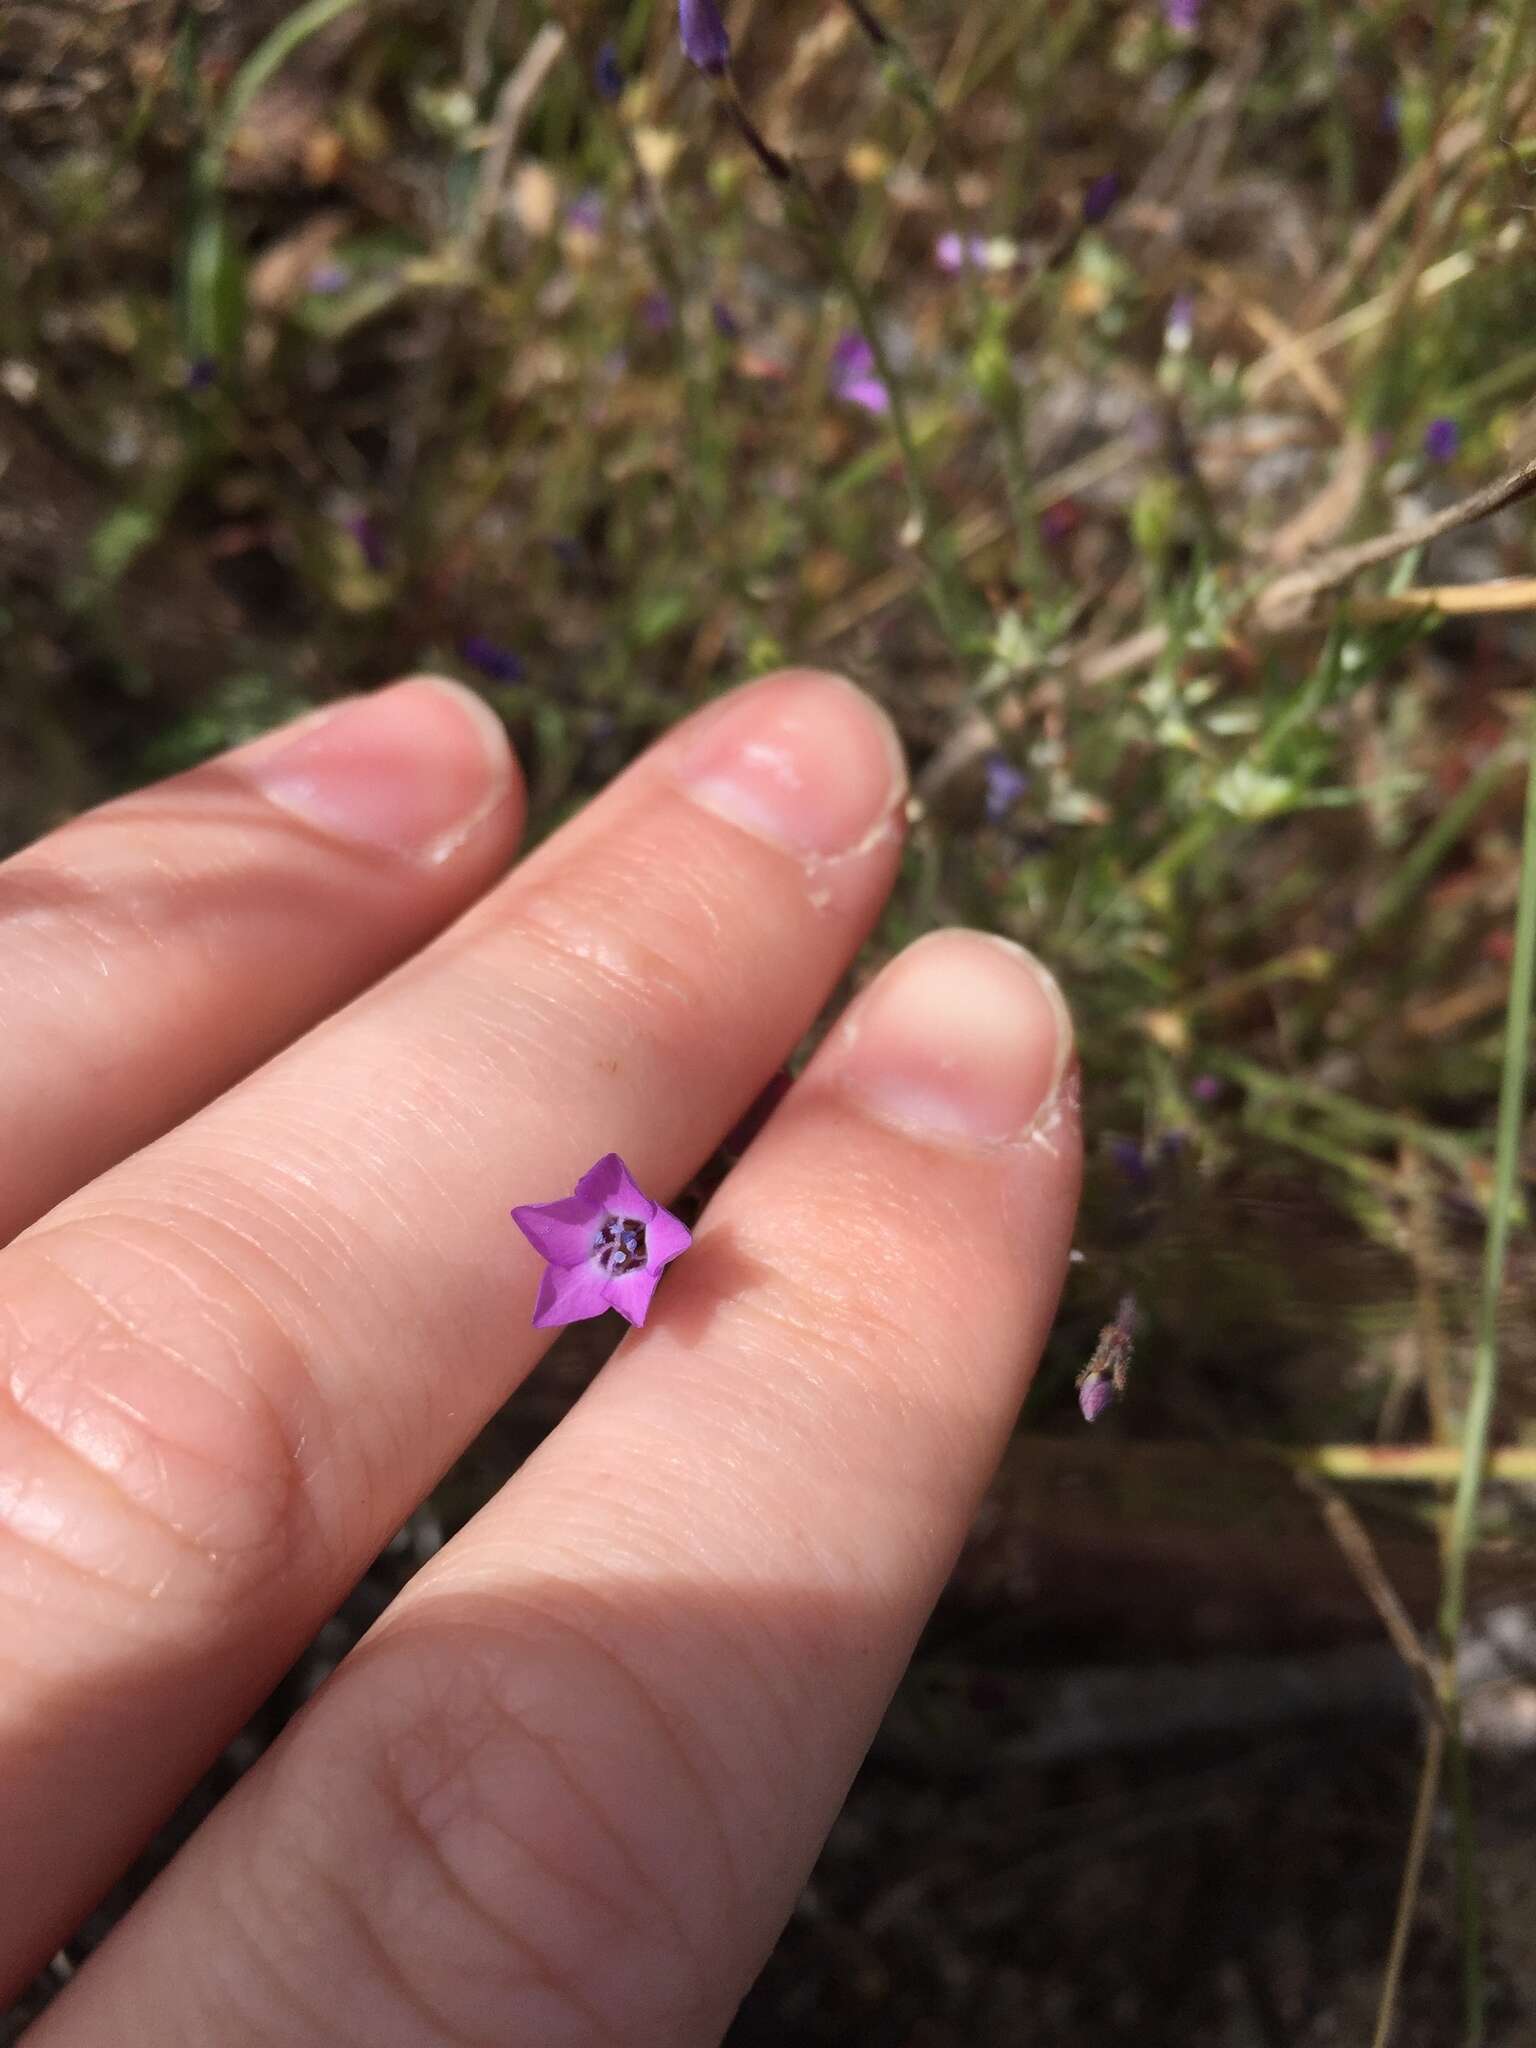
point(567, 1788)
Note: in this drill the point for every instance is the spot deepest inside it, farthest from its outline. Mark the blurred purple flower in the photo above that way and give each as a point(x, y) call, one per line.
point(1183, 16)
point(1100, 196)
point(370, 542)
point(326, 279)
point(585, 213)
point(1094, 1396)
point(202, 373)
point(1179, 327)
point(705, 39)
point(854, 377)
point(656, 313)
point(1005, 785)
point(1442, 438)
point(608, 73)
point(952, 252)
point(605, 1247)
point(491, 658)
point(1129, 1161)
point(727, 326)
point(1206, 1088)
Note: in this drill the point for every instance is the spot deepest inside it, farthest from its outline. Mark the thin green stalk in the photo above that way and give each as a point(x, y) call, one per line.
point(263, 64)
point(1484, 1386)
point(1341, 154)
point(948, 601)
point(212, 285)
point(695, 367)
point(1402, 891)
point(1373, 1126)
point(1504, 77)
point(1000, 390)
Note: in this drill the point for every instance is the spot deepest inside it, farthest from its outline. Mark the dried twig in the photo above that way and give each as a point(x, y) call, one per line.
point(1359, 1553)
point(1289, 600)
point(521, 88)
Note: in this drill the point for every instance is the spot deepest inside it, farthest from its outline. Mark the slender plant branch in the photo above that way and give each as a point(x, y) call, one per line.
point(1478, 1425)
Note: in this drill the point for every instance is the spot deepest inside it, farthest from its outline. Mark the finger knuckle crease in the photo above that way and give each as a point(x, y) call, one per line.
point(191, 1412)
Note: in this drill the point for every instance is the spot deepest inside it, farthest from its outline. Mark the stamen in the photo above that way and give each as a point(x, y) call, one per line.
point(619, 1246)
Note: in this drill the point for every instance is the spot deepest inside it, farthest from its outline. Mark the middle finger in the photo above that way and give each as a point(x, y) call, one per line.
point(238, 1360)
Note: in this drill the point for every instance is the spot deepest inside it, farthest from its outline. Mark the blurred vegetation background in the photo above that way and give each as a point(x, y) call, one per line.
point(1041, 397)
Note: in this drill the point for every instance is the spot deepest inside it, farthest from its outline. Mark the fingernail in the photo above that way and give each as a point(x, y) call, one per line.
point(803, 760)
point(963, 1036)
point(409, 770)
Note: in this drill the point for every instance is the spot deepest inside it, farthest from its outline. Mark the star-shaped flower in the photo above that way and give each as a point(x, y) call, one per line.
point(606, 1245)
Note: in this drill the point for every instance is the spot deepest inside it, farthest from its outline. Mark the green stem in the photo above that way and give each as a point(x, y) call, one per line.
point(1504, 77)
point(947, 598)
point(1374, 1126)
point(1485, 1378)
point(1341, 158)
point(263, 64)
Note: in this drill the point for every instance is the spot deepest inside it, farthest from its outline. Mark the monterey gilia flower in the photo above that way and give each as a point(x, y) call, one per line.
point(605, 1247)
point(706, 41)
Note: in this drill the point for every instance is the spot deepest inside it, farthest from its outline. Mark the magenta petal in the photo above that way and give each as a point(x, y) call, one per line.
point(561, 1232)
point(1094, 1396)
point(569, 1294)
point(611, 1185)
point(630, 1293)
point(665, 1238)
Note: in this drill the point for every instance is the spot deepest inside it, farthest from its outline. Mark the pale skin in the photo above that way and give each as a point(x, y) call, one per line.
point(285, 1039)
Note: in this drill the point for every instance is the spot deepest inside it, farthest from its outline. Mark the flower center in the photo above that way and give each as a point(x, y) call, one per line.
point(619, 1246)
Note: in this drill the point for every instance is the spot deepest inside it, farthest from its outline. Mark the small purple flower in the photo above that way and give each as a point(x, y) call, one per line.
point(327, 279)
point(854, 378)
point(491, 658)
point(705, 39)
point(656, 313)
point(727, 326)
point(202, 373)
point(1005, 785)
point(1100, 196)
point(1130, 1161)
point(1094, 1396)
point(585, 213)
point(370, 542)
point(608, 73)
point(1206, 1088)
point(1442, 438)
point(604, 1247)
point(952, 252)
point(1102, 1379)
point(1183, 16)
